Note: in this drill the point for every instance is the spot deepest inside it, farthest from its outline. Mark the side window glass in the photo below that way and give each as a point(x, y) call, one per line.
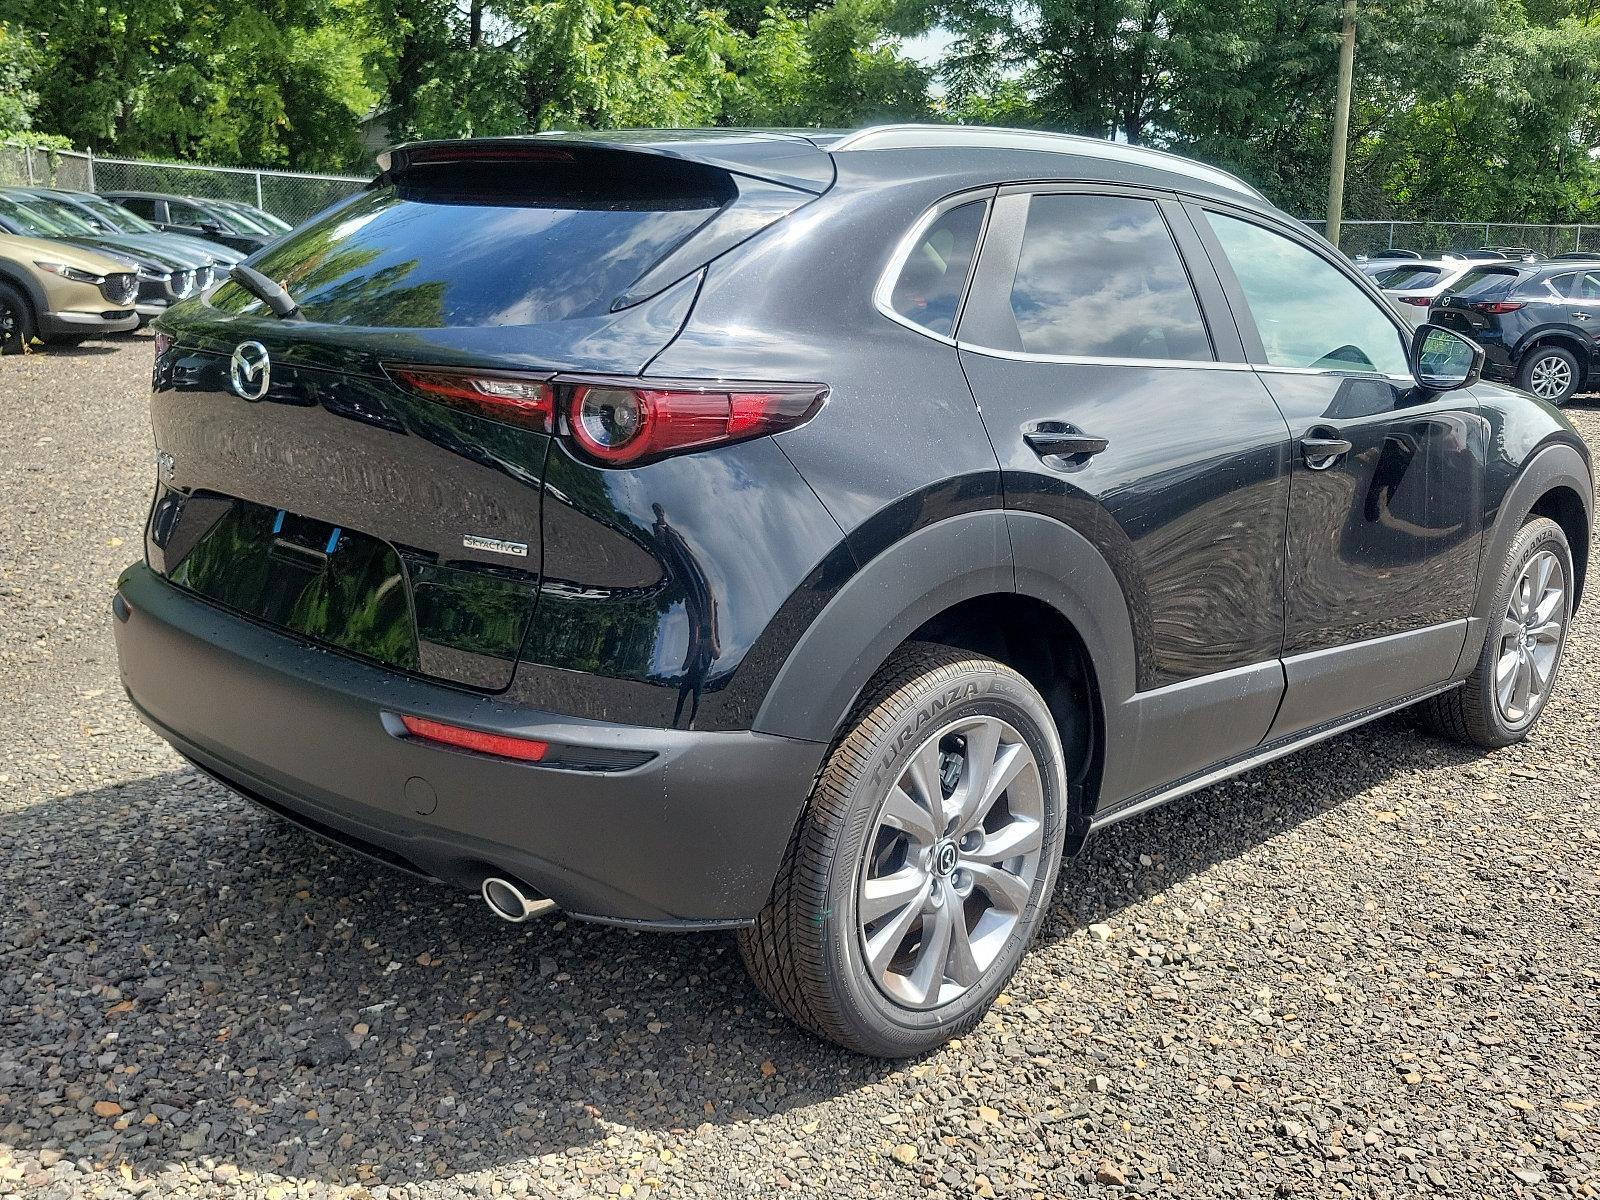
point(1308, 313)
point(182, 214)
point(1100, 277)
point(1588, 286)
point(928, 290)
point(1564, 285)
point(140, 205)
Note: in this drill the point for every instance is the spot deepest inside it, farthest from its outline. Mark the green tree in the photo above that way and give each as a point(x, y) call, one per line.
point(19, 63)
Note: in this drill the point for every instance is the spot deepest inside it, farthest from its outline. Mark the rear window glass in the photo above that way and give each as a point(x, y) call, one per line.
point(1100, 277)
point(1485, 281)
point(489, 244)
point(929, 288)
point(1407, 277)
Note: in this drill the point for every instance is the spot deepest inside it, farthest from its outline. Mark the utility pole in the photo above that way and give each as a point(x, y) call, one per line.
point(1341, 122)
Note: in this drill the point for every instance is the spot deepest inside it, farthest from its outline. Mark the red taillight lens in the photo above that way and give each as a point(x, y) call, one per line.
point(1497, 306)
point(519, 400)
point(621, 425)
point(1419, 301)
point(525, 749)
point(163, 343)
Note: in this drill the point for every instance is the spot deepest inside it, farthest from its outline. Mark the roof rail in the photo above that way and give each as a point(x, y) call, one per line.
point(923, 137)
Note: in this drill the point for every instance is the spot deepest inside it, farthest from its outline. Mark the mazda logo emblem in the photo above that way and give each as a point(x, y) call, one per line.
point(250, 370)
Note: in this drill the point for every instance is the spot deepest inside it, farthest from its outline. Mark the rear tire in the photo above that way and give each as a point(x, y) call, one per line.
point(1551, 373)
point(1516, 671)
point(16, 320)
point(897, 917)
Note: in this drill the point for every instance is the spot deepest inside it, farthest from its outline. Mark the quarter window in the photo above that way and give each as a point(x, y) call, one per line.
point(1100, 277)
point(928, 291)
point(1584, 285)
point(1309, 314)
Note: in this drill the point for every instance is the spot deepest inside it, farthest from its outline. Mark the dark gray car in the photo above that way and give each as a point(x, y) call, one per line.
point(817, 536)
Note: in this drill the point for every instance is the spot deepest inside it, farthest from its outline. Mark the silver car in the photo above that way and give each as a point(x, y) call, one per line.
point(1413, 284)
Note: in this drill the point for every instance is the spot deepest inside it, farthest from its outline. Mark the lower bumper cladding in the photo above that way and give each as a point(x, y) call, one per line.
point(638, 826)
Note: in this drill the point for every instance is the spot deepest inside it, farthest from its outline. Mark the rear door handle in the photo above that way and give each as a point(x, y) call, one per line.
point(1057, 439)
point(1582, 316)
point(1322, 446)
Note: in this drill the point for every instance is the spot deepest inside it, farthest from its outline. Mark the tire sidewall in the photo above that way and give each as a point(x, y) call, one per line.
point(1543, 352)
point(977, 692)
point(18, 304)
point(1536, 535)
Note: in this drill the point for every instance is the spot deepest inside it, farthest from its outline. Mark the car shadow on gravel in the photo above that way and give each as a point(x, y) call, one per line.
point(184, 981)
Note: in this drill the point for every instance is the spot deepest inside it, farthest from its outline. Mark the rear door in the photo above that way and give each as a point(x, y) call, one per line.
point(1115, 391)
point(371, 476)
point(1386, 492)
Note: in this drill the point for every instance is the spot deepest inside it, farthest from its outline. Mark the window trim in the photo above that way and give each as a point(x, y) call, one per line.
point(883, 293)
point(1014, 224)
point(1249, 333)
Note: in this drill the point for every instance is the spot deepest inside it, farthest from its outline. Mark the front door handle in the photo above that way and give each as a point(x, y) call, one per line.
point(1057, 439)
point(1322, 446)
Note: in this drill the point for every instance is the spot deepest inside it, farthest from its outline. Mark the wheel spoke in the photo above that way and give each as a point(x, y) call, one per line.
point(977, 781)
point(888, 893)
point(927, 976)
point(885, 943)
point(922, 773)
point(1524, 685)
point(960, 965)
point(1005, 890)
point(1547, 634)
point(1009, 763)
point(1023, 835)
point(909, 817)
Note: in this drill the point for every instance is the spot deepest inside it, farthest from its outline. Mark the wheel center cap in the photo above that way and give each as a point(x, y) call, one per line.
point(944, 858)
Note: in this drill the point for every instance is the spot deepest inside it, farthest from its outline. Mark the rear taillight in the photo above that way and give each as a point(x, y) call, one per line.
point(163, 343)
point(1496, 307)
point(524, 749)
point(618, 423)
point(1419, 301)
point(516, 399)
point(621, 425)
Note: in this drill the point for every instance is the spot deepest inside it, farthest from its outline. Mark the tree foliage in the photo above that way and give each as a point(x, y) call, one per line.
point(1462, 108)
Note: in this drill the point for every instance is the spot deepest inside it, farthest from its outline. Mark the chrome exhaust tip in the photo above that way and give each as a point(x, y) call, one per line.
point(509, 902)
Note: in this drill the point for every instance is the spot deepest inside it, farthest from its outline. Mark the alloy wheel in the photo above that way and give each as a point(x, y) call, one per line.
point(8, 324)
point(1550, 377)
point(1530, 639)
point(951, 862)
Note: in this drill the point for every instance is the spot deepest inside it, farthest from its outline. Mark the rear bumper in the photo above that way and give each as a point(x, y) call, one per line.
point(692, 838)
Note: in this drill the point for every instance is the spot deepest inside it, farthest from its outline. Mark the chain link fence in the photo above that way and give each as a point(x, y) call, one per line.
point(1437, 237)
point(294, 196)
point(291, 195)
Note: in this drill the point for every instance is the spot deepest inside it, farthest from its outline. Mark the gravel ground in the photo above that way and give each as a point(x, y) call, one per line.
point(1370, 969)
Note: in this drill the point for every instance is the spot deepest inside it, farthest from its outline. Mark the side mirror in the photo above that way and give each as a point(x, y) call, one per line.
point(211, 226)
point(1442, 360)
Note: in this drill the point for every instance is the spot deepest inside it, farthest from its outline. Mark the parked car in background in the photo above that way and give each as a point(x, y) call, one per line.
point(262, 219)
point(61, 294)
point(197, 218)
point(1537, 322)
point(165, 275)
point(1413, 284)
point(106, 217)
point(817, 536)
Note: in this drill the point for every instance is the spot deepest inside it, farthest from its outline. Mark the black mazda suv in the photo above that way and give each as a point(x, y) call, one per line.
point(1538, 323)
point(817, 536)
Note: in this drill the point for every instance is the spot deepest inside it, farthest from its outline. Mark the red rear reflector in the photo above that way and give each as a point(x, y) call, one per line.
point(518, 400)
point(1497, 306)
point(525, 749)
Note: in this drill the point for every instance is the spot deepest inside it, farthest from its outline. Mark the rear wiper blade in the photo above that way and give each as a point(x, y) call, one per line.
point(270, 293)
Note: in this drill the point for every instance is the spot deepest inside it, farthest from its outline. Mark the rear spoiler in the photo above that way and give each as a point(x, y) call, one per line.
point(786, 159)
